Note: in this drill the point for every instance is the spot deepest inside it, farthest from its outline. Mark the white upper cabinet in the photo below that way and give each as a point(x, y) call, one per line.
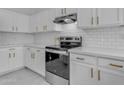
point(33, 23)
point(4, 60)
point(100, 17)
point(59, 12)
point(21, 23)
point(13, 22)
point(108, 16)
point(6, 21)
point(86, 16)
point(43, 21)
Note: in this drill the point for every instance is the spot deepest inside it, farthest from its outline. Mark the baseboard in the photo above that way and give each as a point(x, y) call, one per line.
point(12, 70)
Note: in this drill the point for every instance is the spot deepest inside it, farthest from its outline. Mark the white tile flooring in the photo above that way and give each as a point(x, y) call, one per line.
point(22, 77)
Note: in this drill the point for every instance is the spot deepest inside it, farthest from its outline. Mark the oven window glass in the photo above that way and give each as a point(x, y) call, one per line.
point(57, 64)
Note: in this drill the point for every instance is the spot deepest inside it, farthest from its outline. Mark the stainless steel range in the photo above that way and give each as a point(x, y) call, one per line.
point(57, 60)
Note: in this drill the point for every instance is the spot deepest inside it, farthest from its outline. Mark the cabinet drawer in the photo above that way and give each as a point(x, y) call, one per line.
point(111, 63)
point(83, 58)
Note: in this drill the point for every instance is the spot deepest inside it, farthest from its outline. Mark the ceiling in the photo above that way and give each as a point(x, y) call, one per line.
point(27, 11)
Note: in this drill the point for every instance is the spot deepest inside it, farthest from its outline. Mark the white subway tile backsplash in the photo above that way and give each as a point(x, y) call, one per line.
point(101, 38)
point(105, 38)
point(15, 38)
point(46, 38)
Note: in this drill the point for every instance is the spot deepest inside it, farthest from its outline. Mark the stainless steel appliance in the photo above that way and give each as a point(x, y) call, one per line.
point(57, 60)
point(68, 19)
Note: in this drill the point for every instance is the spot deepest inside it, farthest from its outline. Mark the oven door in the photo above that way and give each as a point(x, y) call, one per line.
point(57, 63)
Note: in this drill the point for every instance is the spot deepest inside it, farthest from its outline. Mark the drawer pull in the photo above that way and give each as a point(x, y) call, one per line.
point(98, 74)
point(9, 55)
point(92, 20)
point(80, 58)
point(38, 50)
point(114, 65)
point(91, 72)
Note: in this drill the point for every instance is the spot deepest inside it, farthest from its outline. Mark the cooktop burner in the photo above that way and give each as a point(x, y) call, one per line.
point(59, 47)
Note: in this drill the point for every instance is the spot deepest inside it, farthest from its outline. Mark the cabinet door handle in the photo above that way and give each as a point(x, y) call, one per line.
point(9, 55)
point(31, 55)
point(99, 75)
point(62, 11)
point(115, 65)
point(46, 27)
point(16, 28)
point(97, 20)
point(36, 28)
point(43, 28)
point(91, 72)
point(92, 20)
point(13, 55)
point(65, 10)
point(38, 50)
point(80, 58)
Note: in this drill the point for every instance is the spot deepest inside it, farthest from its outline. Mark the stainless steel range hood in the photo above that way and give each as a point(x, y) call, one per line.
point(68, 19)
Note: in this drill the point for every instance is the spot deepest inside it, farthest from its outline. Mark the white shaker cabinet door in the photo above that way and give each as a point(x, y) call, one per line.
point(81, 74)
point(40, 61)
point(4, 60)
point(29, 57)
point(21, 23)
point(6, 21)
point(110, 77)
point(108, 16)
point(59, 12)
point(12, 58)
point(86, 17)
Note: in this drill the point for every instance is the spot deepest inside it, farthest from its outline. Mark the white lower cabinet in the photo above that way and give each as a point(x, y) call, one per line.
point(82, 70)
point(110, 77)
point(35, 60)
point(11, 58)
point(40, 61)
point(18, 57)
point(3, 60)
point(105, 71)
point(110, 71)
point(81, 74)
point(15, 59)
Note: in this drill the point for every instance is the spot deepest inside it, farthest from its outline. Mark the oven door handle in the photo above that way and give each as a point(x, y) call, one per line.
point(57, 52)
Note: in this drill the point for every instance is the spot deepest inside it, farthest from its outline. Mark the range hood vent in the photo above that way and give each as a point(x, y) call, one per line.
point(68, 19)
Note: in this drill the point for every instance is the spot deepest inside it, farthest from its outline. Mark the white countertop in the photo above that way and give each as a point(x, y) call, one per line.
point(22, 45)
point(100, 52)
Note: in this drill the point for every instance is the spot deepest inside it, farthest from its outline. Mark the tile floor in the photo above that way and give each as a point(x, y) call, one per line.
point(22, 77)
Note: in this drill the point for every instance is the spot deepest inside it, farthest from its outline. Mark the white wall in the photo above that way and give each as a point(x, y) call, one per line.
point(15, 38)
point(46, 38)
